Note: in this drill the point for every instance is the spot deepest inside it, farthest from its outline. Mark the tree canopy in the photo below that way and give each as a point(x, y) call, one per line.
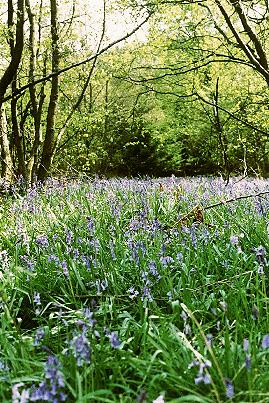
point(81, 90)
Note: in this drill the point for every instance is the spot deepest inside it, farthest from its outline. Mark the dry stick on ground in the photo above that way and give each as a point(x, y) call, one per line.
point(198, 211)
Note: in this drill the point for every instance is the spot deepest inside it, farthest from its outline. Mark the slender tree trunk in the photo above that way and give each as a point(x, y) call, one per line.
point(7, 171)
point(49, 142)
point(36, 105)
point(7, 78)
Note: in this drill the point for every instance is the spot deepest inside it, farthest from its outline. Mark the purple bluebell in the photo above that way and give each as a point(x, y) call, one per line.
point(248, 362)
point(245, 345)
point(51, 389)
point(42, 240)
point(39, 335)
point(68, 236)
point(229, 389)
point(80, 347)
point(147, 294)
point(165, 260)
point(153, 270)
point(65, 268)
point(114, 340)
point(90, 224)
point(265, 341)
point(37, 298)
point(202, 376)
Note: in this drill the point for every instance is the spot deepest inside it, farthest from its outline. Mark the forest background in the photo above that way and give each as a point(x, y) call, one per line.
point(135, 87)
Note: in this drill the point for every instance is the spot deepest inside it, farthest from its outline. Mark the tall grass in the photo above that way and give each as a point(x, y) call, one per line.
point(104, 298)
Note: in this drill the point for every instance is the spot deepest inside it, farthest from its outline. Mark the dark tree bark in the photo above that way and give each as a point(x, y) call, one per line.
point(16, 47)
point(49, 142)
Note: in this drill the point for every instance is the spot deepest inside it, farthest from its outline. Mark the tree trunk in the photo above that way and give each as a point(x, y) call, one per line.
point(7, 171)
point(49, 142)
point(7, 78)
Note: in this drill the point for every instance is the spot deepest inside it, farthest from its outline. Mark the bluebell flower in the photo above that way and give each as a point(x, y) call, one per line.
point(204, 378)
point(37, 298)
point(245, 345)
point(114, 340)
point(147, 294)
point(229, 389)
point(265, 341)
point(51, 388)
point(133, 293)
point(65, 268)
point(165, 260)
point(81, 349)
point(42, 240)
point(39, 335)
point(248, 362)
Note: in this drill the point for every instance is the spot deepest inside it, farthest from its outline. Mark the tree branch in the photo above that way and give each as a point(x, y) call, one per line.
point(22, 89)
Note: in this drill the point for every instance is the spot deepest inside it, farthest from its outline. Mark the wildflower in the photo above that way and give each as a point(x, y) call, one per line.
point(153, 269)
point(229, 389)
point(51, 388)
point(245, 345)
point(37, 298)
point(184, 315)
point(76, 253)
point(248, 362)
point(69, 237)
point(146, 294)
point(187, 329)
point(209, 339)
point(179, 256)
point(265, 341)
point(260, 253)
point(19, 396)
point(88, 315)
point(205, 378)
point(203, 375)
point(80, 346)
point(234, 240)
point(42, 240)
point(39, 335)
point(90, 224)
point(165, 260)
point(169, 295)
point(133, 293)
point(65, 268)
point(4, 369)
point(114, 340)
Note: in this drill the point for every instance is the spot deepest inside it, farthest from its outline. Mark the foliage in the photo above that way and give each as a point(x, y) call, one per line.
point(104, 299)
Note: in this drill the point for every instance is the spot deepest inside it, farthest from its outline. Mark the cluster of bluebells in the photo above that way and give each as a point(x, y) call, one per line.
point(114, 339)
point(202, 376)
point(80, 348)
point(51, 389)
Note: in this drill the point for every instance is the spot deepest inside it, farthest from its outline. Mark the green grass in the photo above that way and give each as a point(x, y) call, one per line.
point(169, 305)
